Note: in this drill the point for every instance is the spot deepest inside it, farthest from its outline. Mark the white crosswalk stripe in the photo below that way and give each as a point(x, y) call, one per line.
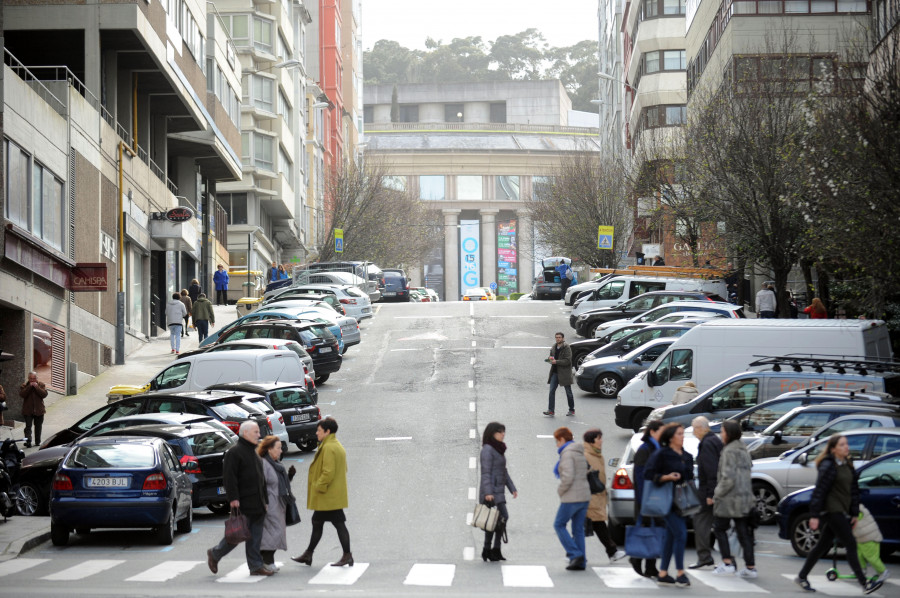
point(833, 588)
point(526, 576)
point(726, 583)
point(430, 575)
point(622, 578)
point(165, 571)
point(82, 570)
point(19, 565)
point(240, 575)
point(339, 576)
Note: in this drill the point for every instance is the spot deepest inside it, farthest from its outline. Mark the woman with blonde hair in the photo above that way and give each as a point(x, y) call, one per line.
point(816, 310)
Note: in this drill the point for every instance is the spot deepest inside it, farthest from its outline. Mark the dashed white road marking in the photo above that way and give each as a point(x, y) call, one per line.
point(472, 361)
point(526, 576)
point(395, 438)
point(469, 516)
point(18, 565)
point(240, 575)
point(165, 571)
point(518, 316)
point(469, 551)
point(473, 343)
point(471, 384)
point(472, 433)
point(472, 406)
point(339, 576)
point(471, 309)
point(621, 578)
point(393, 350)
point(471, 462)
point(430, 575)
point(545, 435)
point(727, 583)
point(471, 493)
point(521, 347)
point(418, 317)
point(82, 570)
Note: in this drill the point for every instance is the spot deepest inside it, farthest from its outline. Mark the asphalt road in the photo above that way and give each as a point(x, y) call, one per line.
point(411, 402)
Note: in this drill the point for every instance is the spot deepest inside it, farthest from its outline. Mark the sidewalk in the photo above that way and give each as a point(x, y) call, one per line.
point(20, 534)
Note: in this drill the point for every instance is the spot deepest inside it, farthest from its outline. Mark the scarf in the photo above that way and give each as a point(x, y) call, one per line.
point(284, 484)
point(559, 452)
point(500, 447)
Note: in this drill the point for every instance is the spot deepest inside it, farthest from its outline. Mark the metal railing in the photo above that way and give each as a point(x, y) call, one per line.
point(27, 75)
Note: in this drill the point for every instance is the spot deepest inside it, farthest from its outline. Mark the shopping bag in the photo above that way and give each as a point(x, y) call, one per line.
point(644, 542)
point(485, 517)
point(237, 527)
point(656, 500)
point(291, 512)
point(686, 501)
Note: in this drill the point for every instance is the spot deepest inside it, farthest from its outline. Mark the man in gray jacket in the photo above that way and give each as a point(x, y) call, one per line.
point(574, 496)
point(175, 313)
point(707, 474)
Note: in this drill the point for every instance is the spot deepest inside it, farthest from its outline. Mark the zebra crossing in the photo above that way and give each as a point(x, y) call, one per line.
point(418, 574)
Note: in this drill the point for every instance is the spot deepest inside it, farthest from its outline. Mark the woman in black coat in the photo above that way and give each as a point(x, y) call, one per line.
point(494, 482)
point(650, 446)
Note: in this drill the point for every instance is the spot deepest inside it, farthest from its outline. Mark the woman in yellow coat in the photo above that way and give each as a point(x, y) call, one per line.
point(597, 508)
point(326, 492)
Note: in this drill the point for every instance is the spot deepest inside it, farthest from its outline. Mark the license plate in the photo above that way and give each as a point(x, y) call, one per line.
point(389, 293)
point(108, 482)
point(324, 349)
point(303, 417)
point(220, 490)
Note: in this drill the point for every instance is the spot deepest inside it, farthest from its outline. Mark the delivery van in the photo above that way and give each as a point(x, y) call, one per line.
point(714, 350)
point(198, 372)
point(622, 288)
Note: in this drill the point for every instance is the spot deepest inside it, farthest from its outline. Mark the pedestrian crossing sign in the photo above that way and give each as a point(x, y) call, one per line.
point(605, 237)
point(339, 240)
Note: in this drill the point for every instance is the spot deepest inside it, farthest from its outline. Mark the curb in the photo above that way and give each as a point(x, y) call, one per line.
point(25, 544)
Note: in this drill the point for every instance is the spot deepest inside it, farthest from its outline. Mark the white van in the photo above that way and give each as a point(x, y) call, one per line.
point(622, 288)
point(719, 348)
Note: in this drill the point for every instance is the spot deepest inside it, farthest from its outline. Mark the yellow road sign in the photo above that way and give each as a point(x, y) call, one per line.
point(339, 240)
point(605, 237)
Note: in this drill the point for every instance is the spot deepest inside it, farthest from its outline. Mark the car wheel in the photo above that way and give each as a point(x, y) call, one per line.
point(59, 535)
point(608, 386)
point(219, 508)
point(166, 532)
point(345, 349)
point(306, 445)
point(322, 379)
point(589, 333)
point(28, 500)
point(802, 537)
point(766, 502)
point(187, 523)
point(637, 420)
point(579, 359)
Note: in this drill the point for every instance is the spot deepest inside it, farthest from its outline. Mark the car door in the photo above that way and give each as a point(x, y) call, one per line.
point(183, 485)
point(172, 377)
point(879, 490)
point(802, 475)
point(645, 358)
point(793, 432)
point(884, 444)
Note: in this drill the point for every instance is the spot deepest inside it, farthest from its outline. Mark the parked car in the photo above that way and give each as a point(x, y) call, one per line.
point(120, 482)
point(587, 322)
point(714, 308)
point(592, 348)
point(295, 294)
point(255, 316)
point(299, 409)
point(344, 328)
point(354, 302)
point(577, 291)
point(396, 287)
point(615, 291)
point(776, 477)
point(418, 295)
point(607, 375)
point(260, 344)
point(475, 294)
point(688, 317)
point(547, 284)
point(854, 421)
point(879, 487)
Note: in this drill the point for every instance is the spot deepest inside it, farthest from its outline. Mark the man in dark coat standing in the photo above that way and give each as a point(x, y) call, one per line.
point(560, 361)
point(33, 394)
point(707, 475)
point(245, 486)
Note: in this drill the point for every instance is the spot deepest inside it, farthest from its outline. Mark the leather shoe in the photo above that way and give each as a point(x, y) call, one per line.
point(577, 564)
point(304, 559)
point(262, 571)
point(347, 559)
point(211, 562)
point(701, 564)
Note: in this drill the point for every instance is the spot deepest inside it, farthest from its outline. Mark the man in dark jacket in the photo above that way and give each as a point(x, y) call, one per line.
point(203, 315)
point(707, 474)
point(245, 486)
point(560, 361)
point(33, 394)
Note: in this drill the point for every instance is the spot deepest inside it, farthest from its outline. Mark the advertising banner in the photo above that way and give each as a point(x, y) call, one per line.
point(507, 258)
point(469, 250)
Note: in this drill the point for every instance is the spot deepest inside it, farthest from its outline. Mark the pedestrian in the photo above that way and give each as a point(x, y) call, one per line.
point(278, 493)
point(33, 393)
point(834, 499)
point(272, 275)
point(707, 473)
point(765, 302)
point(204, 315)
point(650, 444)
point(188, 306)
point(868, 543)
point(282, 275)
point(495, 481)
point(175, 313)
point(560, 361)
point(194, 290)
point(564, 276)
point(245, 487)
point(658, 261)
point(326, 492)
point(684, 393)
point(671, 464)
point(597, 508)
point(574, 495)
point(220, 278)
point(816, 310)
point(733, 500)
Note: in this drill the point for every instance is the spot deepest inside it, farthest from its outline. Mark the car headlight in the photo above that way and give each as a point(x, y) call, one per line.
point(579, 371)
point(658, 413)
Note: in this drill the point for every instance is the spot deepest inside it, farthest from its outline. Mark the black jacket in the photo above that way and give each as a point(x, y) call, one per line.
point(194, 292)
point(824, 481)
point(244, 478)
point(666, 461)
point(708, 465)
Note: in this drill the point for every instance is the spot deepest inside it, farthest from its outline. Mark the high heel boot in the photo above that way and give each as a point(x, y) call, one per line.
point(486, 554)
point(496, 555)
point(304, 559)
point(347, 559)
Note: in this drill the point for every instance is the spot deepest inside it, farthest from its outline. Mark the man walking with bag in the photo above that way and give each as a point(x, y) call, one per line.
point(707, 474)
point(560, 361)
point(245, 486)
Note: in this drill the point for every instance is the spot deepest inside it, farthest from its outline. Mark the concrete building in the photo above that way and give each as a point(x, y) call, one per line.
point(475, 151)
point(352, 61)
point(611, 99)
point(119, 121)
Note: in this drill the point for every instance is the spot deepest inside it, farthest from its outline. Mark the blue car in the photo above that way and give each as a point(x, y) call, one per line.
point(120, 482)
point(287, 314)
point(879, 490)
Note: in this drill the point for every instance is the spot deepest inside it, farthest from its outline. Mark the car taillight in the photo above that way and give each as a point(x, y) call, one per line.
point(269, 421)
point(155, 481)
point(233, 426)
point(62, 482)
point(281, 419)
point(319, 411)
point(621, 481)
point(305, 370)
point(348, 301)
point(190, 465)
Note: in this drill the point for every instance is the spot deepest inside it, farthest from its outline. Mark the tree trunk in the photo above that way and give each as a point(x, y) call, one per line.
point(781, 295)
point(806, 267)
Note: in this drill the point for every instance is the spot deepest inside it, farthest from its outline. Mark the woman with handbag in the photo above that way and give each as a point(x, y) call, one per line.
point(494, 482)
point(733, 500)
point(650, 445)
point(597, 508)
point(672, 465)
point(278, 487)
point(574, 497)
point(835, 506)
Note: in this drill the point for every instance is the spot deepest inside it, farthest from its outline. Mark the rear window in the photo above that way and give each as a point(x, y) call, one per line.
point(354, 292)
point(210, 443)
point(288, 398)
point(112, 456)
point(229, 411)
point(262, 405)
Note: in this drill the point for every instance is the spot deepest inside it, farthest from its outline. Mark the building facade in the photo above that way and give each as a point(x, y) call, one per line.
point(611, 99)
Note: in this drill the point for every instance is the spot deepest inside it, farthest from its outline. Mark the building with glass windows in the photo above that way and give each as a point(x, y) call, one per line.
point(475, 152)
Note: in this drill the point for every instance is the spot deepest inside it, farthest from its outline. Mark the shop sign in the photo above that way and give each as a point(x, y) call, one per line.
point(88, 277)
point(179, 214)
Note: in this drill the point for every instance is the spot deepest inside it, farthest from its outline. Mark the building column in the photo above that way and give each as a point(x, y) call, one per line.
point(451, 255)
point(489, 246)
point(524, 251)
point(92, 62)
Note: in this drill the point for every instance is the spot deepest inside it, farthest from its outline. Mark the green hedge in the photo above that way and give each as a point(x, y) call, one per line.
point(501, 297)
point(515, 296)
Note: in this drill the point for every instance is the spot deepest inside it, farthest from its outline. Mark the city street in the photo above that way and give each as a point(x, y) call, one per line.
point(411, 401)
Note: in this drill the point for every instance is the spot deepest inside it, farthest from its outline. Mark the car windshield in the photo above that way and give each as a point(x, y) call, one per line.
point(210, 443)
point(112, 456)
point(286, 398)
point(229, 411)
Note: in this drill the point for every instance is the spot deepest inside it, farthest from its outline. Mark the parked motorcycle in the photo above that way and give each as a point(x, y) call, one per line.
point(10, 463)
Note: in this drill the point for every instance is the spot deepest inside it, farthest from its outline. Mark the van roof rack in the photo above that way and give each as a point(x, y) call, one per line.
point(841, 364)
point(664, 272)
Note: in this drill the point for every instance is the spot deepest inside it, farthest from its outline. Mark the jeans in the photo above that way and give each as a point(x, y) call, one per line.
point(175, 337)
point(504, 514)
point(574, 512)
point(554, 384)
point(745, 537)
point(251, 546)
point(675, 540)
point(221, 297)
point(202, 327)
point(834, 525)
point(702, 528)
point(38, 421)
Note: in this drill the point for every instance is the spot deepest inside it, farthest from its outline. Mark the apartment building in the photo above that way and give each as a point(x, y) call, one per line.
point(352, 61)
point(475, 152)
point(120, 120)
point(327, 71)
point(611, 99)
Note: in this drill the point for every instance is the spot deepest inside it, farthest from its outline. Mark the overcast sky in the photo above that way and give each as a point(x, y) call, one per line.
point(409, 22)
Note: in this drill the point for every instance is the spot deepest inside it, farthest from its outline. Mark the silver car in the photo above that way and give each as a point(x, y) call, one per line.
point(355, 302)
point(349, 326)
point(607, 375)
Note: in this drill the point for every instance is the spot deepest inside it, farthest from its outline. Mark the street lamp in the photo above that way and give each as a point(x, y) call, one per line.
point(286, 64)
point(459, 116)
point(613, 79)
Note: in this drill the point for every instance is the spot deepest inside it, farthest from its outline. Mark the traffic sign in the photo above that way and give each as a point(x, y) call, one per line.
point(605, 237)
point(493, 286)
point(339, 240)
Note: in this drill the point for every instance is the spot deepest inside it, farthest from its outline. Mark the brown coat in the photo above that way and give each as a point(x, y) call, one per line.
point(563, 365)
point(597, 508)
point(33, 398)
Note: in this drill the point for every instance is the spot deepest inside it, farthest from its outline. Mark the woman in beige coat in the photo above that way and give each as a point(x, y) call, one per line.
point(597, 509)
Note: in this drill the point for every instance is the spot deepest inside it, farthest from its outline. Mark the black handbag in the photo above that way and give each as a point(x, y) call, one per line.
point(291, 512)
point(594, 481)
point(686, 500)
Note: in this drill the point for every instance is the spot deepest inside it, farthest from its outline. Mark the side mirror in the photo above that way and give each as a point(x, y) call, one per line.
point(745, 425)
point(626, 347)
point(651, 378)
point(614, 462)
point(777, 437)
point(802, 459)
point(154, 385)
point(638, 360)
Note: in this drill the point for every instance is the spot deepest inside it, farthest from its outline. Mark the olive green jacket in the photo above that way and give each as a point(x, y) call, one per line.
point(203, 310)
point(326, 487)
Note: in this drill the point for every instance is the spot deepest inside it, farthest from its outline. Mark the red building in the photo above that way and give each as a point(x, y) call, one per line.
point(331, 81)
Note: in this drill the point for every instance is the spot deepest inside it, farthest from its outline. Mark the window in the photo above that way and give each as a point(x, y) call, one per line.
point(639, 288)
point(885, 444)
point(651, 63)
point(682, 364)
point(172, 377)
point(674, 60)
point(765, 416)
point(453, 113)
point(673, 7)
point(663, 116)
point(263, 152)
point(262, 91)
point(284, 109)
point(884, 474)
point(676, 115)
point(431, 187)
point(262, 34)
point(506, 187)
point(469, 187)
point(541, 187)
point(498, 112)
point(857, 445)
point(737, 396)
point(235, 206)
point(285, 165)
point(34, 196)
point(662, 8)
point(805, 423)
point(613, 290)
point(409, 113)
point(368, 114)
point(238, 27)
point(398, 183)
